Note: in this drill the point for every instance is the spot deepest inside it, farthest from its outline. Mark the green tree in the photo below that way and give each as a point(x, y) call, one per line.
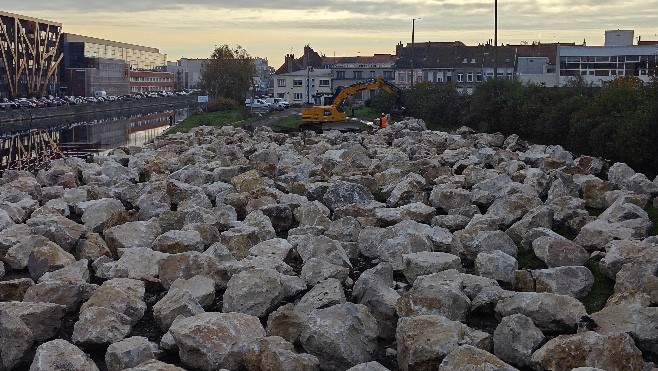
point(228, 74)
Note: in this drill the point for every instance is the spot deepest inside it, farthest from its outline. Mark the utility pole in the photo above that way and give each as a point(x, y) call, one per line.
point(413, 27)
point(495, 39)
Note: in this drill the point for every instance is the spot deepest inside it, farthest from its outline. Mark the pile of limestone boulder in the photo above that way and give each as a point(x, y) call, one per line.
point(403, 249)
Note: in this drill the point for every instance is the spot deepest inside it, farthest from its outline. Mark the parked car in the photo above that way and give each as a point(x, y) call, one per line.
point(258, 104)
point(6, 103)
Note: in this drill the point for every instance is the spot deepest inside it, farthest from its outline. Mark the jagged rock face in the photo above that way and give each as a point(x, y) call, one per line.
point(401, 249)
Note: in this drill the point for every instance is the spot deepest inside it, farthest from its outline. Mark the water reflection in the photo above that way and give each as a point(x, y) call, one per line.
point(83, 137)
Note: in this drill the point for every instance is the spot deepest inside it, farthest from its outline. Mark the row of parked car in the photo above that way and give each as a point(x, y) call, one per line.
point(277, 104)
point(51, 101)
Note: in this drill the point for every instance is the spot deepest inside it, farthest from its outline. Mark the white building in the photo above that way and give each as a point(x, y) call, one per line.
point(599, 64)
point(187, 72)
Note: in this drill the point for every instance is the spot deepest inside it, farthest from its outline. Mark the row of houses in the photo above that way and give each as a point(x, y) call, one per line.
point(312, 77)
point(38, 59)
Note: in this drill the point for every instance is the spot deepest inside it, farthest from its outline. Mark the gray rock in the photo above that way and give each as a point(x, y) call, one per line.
point(69, 294)
point(189, 264)
point(174, 241)
point(276, 354)
point(14, 290)
point(210, 341)
point(375, 289)
point(341, 336)
point(559, 252)
point(176, 303)
point(515, 339)
point(276, 247)
point(638, 278)
point(368, 366)
point(18, 255)
point(43, 319)
point(15, 340)
point(549, 312)
point(132, 234)
point(122, 295)
point(496, 265)
point(448, 199)
point(637, 321)
point(341, 193)
point(127, 353)
point(47, 258)
point(424, 341)
point(98, 215)
point(609, 352)
point(138, 263)
point(100, 326)
point(75, 273)
point(426, 262)
point(154, 365)
point(201, 287)
point(435, 298)
point(256, 292)
point(618, 253)
point(316, 270)
point(325, 294)
point(61, 355)
point(572, 281)
point(468, 357)
point(58, 229)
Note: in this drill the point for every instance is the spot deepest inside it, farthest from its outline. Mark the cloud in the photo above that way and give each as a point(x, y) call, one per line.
point(270, 29)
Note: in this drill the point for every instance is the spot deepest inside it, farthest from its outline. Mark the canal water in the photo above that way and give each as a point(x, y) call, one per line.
point(93, 133)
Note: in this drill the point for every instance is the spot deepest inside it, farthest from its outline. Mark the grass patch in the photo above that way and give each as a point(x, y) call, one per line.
point(528, 260)
point(220, 118)
point(653, 216)
point(287, 124)
point(601, 290)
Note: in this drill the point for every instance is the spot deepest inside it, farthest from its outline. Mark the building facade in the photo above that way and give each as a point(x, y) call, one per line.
point(346, 71)
point(151, 81)
point(187, 72)
point(30, 56)
point(618, 57)
point(91, 64)
point(303, 80)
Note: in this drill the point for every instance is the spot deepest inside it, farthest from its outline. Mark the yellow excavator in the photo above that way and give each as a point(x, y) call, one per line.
point(315, 117)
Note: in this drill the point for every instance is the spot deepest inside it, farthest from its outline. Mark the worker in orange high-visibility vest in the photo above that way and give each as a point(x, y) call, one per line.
point(383, 121)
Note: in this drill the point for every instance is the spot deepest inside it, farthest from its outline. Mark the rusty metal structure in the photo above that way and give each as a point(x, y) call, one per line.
point(30, 55)
point(29, 152)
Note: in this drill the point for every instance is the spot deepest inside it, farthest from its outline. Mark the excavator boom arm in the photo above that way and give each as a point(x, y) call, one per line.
point(377, 82)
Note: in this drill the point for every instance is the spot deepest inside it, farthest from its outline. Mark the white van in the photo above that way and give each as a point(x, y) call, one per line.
point(277, 103)
point(100, 93)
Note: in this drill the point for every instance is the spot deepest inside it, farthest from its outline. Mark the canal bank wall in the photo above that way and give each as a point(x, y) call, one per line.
point(21, 120)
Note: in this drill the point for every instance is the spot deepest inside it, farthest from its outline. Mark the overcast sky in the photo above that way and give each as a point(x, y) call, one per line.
point(271, 29)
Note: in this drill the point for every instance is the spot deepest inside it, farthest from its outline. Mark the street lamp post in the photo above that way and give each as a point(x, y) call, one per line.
point(413, 29)
point(495, 39)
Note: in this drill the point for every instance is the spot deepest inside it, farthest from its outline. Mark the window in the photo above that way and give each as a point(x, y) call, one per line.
point(460, 77)
point(372, 74)
point(324, 82)
point(281, 82)
point(478, 77)
point(469, 77)
point(388, 75)
point(297, 82)
point(340, 74)
point(297, 96)
point(358, 74)
point(401, 78)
